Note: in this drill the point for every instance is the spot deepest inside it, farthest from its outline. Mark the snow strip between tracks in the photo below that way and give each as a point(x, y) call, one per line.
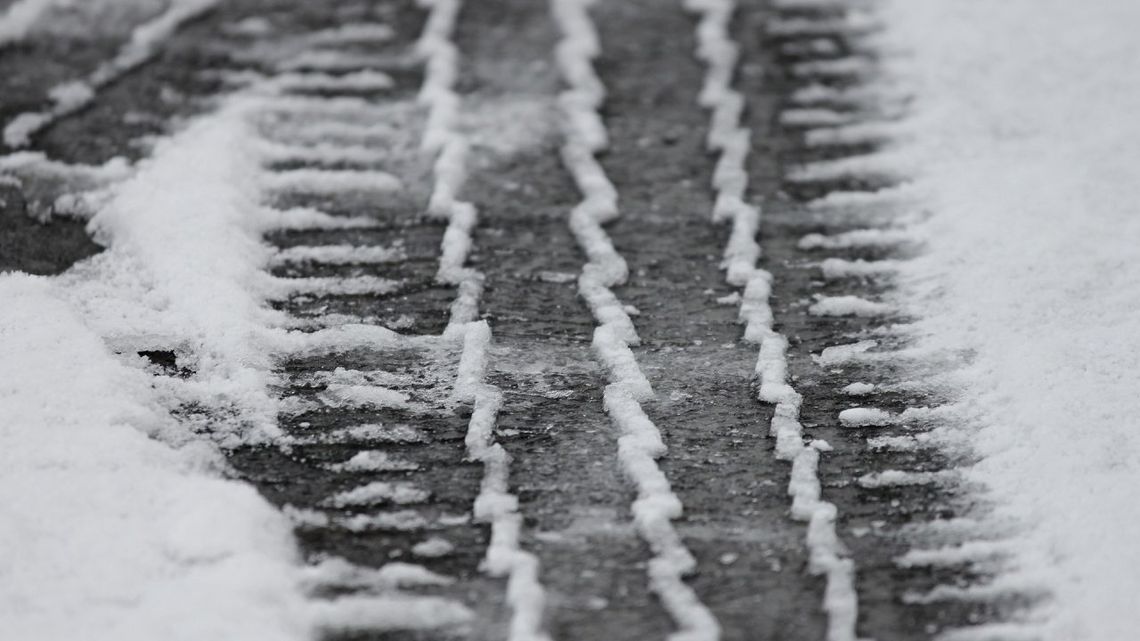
point(640, 442)
point(716, 48)
point(495, 504)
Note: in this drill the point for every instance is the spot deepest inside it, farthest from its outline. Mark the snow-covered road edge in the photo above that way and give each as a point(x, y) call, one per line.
point(115, 518)
point(105, 529)
point(1027, 148)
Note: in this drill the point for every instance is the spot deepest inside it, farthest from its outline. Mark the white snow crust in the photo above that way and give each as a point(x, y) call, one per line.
point(1025, 136)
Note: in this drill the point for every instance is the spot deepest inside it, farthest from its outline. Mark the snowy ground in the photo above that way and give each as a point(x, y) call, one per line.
point(1025, 141)
point(796, 319)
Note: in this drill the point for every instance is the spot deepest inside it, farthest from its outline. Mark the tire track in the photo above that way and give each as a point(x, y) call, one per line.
point(363, 403)
point(495, 504)
point(840, 231)
point(552, 420)
point(827, 554)
point(641, 442)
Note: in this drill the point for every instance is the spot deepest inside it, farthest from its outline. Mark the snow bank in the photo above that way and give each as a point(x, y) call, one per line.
point(105, 530)
point(184, 266)
point(1026, 135)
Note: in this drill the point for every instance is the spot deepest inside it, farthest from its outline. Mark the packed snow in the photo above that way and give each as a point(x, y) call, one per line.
point(1025, 143)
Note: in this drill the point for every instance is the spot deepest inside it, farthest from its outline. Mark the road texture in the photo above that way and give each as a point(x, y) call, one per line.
point(574, 498)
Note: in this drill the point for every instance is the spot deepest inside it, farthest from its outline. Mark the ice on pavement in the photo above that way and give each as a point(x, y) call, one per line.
point(1027, 143)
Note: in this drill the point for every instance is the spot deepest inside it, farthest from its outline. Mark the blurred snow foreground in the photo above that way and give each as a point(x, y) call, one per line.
point(1023, 145)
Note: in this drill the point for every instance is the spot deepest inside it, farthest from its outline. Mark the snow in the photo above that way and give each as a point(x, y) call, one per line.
point(389, 612)
point(336, 571)
point(190, 267)
point(340, 254)
point(371, 433)
point(106, 529)
point(856, 239)
point(838, 268)
point(302, 218)
point(863, 133)
point(283, 288)
point(814, 117)
point(882, 166)
point(859, 389)
point(352, 34)
point(157, 543)
point(848, 305)
point(374, 461)
point(494, 504)
point(364, 80)
point(843, 354)
point(835, 68)
point(898, 478)
point(716, 48)
point(19, 18)
point(433, 548)
point(400, 493)
point(331, 181)
point(398, 520)
point(325, 153)
point(1025, 134)
point(331, 61)
point(864, 417)
point(973, 552)
point(853, 23)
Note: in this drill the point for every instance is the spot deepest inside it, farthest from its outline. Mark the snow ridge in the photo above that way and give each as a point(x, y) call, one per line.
point(495, 504)
point(450, 171)
point(19, 18)
point(70, 97)
point(716, 48)
point(640, 442)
